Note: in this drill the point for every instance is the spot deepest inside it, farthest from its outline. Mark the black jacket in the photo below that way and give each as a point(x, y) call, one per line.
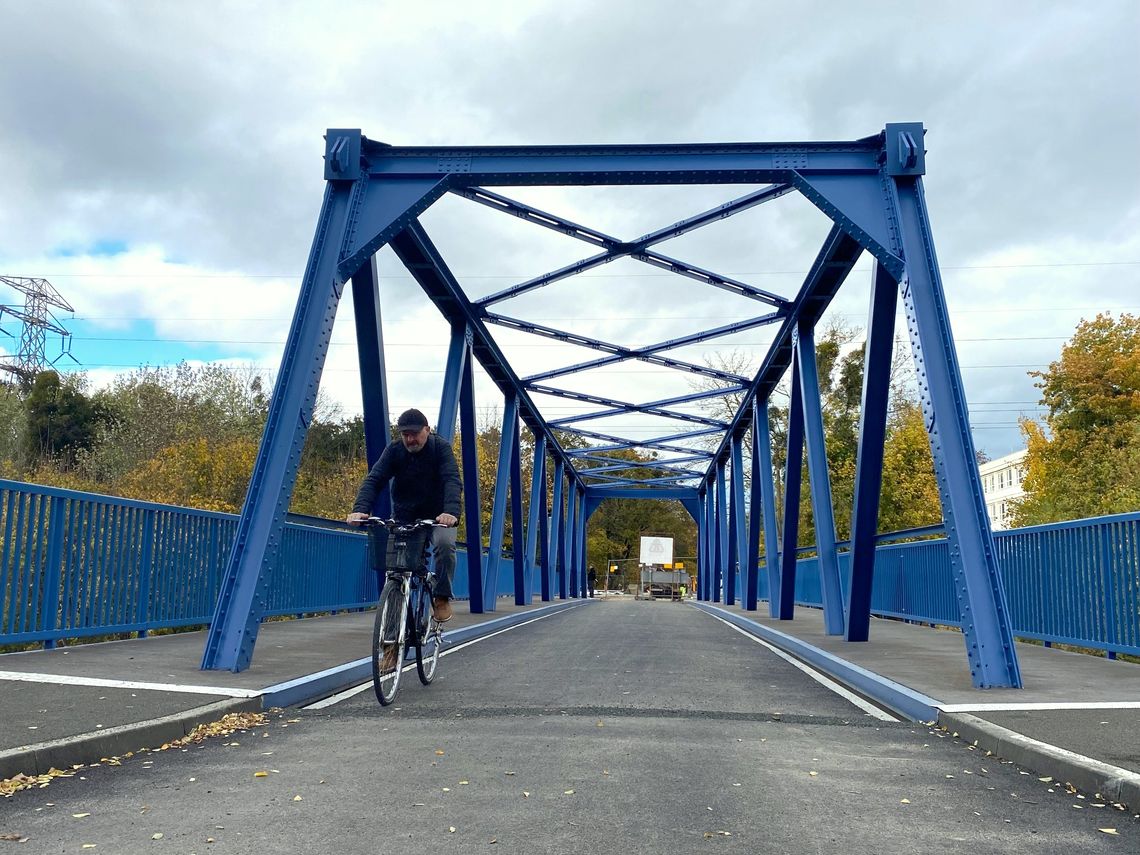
point(424, 485)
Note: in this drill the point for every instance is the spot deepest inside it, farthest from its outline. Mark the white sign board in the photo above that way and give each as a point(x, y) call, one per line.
point(656, 550)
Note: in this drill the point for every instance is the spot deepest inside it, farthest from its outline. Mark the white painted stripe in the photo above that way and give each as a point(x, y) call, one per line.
point(64, 680)
point(1037, 707)
point(356, 690)
point(823, 680)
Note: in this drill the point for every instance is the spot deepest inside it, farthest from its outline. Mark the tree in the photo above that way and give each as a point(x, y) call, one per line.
point(1085, 459)
point(61, 420)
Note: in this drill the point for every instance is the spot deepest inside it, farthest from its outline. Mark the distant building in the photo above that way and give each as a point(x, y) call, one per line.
point(1001, 486)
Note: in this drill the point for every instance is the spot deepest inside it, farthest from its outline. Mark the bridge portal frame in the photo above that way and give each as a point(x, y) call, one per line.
point(872, 191)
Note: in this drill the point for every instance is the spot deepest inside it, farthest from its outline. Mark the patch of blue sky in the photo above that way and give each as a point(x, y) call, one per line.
point(136, 343)
point(102, 248)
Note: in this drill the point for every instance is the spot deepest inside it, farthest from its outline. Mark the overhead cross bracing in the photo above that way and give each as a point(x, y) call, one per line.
point(686, 444)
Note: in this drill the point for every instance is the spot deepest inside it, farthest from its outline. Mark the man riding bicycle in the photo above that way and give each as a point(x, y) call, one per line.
point(425, 485)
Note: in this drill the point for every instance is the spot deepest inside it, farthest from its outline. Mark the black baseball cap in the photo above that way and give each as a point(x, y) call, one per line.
point(411, 420)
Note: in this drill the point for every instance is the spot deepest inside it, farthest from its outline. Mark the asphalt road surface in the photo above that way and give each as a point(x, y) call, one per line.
point(616, 727)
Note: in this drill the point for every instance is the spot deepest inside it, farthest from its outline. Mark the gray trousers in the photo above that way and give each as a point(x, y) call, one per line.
point(443, 541)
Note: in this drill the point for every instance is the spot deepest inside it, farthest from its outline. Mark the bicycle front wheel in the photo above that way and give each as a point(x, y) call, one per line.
point(429, 639)
point(389, 642)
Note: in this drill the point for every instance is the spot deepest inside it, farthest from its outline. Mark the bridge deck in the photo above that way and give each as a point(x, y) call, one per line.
point(59, 720)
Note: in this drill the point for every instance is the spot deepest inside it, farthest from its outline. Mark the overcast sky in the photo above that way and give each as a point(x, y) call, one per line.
point(160, 164)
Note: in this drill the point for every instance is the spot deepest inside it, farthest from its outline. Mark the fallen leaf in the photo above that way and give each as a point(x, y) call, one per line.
point(261, 774)
point(451, 829)
point(526, 795)
point(904, 802)
point(156, 836)
point(1047, 779)
point(464, 783)
point(813, 774)
point(80, 815)
point(18, 838)
point(209, 840)
point(439, 752)
point(1111, 831)
point(508, 773)
point(297, 799)
point(88, 845)
point(567, 792)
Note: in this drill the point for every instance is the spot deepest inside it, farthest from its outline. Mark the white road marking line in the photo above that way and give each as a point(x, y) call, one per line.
point(823, 680)
point(356, 690)
point(1037, 707)
point(64, 680)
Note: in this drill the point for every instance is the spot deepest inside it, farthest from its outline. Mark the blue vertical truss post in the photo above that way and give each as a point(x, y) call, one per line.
point(711, 539)
point(545, 553)
point(793, 479)
point(832, 592)
point(751, 581)
point(554, 571)
point(534, 515)
point(986, 624)
point(518, 543)
point(762, 471)
point(869, 457)
point(373, 385)
point(720, 585)
point(702, 545)
point(578, 579)
point(569, 531)
point(507, 437)
point(458, 355)
point(739, 540)
point(468, 432)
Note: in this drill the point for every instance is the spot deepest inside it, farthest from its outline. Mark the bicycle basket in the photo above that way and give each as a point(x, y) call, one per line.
point(405, 553)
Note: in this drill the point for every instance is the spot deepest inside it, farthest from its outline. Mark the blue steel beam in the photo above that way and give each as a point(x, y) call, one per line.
point(458, 353)
point(794, 459)
point(869, 458)
point(607, 347)
point(601, 491)
point(702, 547)
point(617, 408)
point(739, 527)
point(423, 261)
point(537, 491)
point(838, 255)
point(986, 624)
point(670, 344)
point(731, 163)
point(751, 581)
point(507, 437)
point(556, 526)
point(589, 453)
point(722, 568)
point(616, 248)
point(373, 375)
point(669, 479)
point(233, 630)
point(468, 431)
point(545, 555)
point(822, 513)
point(710, 540)
point(762, 450)
point(664, 443)
point(522, 592)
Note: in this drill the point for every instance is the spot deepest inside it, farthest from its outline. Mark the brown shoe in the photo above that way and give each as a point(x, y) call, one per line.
point(389, 661)
point(441, 609)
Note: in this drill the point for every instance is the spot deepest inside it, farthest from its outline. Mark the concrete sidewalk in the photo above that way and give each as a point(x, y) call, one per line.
point(1077, 717)
point(79, 704)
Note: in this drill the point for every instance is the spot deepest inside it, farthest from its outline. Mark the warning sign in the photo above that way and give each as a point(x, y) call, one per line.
point(656, 550)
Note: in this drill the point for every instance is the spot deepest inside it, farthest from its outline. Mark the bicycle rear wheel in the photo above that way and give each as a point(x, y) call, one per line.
point(429, 639)
point(389, 641)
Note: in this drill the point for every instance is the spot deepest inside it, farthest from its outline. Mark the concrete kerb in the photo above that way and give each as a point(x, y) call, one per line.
point(1092, 776)
point(116, 741)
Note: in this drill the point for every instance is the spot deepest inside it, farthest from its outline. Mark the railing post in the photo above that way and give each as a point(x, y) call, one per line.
point(49, 602)
point(146, 568)
point(537, 503)
point(1109, 587)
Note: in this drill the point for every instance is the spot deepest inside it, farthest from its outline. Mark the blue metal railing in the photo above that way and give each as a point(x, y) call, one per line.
point(1072, 582)
point(76, 564)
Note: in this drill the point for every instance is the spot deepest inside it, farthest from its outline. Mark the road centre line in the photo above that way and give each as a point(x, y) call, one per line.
point(823, 680)
point(65, 680)
point(356, 690)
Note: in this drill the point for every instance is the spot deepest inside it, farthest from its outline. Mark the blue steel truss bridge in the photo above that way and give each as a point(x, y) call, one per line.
point(871, 191)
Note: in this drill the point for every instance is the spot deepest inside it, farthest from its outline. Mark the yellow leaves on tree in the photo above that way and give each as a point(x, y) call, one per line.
point(1085, 460)
point(196, 474)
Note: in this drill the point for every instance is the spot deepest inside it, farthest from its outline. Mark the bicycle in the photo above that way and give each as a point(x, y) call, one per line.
point(404, 612)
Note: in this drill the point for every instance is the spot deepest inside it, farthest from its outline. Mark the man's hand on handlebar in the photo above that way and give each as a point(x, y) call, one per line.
point(356, 518)
point(447, 520)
